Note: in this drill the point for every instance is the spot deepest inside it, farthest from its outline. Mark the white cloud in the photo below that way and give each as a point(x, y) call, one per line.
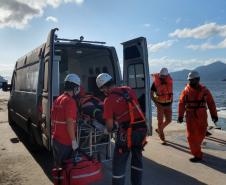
point(147, 25)
point(76, 1)
point(51, 18)
point(173, 64)
point(18, 13)
point(161, 45)
point(208, 46)
point(200, 32)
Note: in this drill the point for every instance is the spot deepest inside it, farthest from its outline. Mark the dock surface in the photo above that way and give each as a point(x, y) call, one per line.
point(163, 164)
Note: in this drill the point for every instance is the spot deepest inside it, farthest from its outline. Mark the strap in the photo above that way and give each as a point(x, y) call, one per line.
point(129, 100)
point(131, 106)
point(125, 95)
point(199, 103)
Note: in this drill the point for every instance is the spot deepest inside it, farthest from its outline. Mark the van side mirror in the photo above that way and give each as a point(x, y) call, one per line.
point(6, 86)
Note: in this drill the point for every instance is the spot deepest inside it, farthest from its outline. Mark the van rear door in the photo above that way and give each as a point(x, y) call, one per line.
point(136, 73)
point(47, 92)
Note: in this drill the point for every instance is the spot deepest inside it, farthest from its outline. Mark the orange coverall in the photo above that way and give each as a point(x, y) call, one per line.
point(195, 103)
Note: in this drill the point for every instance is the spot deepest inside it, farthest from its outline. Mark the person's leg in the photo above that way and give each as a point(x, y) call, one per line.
point(119, 166)
point(136, 167)
point(160, 122)
point(195, 146)
point(54, 150)
point(60, 152)
point(168, 116)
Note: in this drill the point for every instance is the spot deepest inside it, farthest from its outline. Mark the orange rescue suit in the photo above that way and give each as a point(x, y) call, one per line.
point(164, 92)
point(195, 103)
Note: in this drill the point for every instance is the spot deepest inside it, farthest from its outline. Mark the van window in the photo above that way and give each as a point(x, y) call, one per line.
point(131, 52)
point(136, 76)
point(27, 78)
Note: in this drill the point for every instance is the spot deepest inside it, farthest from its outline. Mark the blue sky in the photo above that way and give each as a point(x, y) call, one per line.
point(180, 33)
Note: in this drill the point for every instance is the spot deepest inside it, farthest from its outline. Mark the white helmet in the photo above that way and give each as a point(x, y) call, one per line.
point(164, 72)
point(102, 79)
point(73, 78)
point(192, 75)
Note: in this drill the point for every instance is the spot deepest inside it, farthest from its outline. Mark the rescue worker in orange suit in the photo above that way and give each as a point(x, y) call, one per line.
point(121, 108)
point(64, 115)
point(162, 95)
point(194, 100)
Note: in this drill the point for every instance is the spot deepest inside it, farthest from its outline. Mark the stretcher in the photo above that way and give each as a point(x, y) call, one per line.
point(93, 139)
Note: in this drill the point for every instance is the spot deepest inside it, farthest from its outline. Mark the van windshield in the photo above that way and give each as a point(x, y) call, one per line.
point(85, 60)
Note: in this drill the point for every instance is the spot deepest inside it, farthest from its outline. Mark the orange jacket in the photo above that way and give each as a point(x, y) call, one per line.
point(195, 102)
point(164, 93)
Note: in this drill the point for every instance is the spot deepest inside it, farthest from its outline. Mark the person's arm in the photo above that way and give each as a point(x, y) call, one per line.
point(153, 91)
point(181, 107)
point(71, 128)
point(212, 106)
point(71, 116)
point(108, 114)
point(109, 124)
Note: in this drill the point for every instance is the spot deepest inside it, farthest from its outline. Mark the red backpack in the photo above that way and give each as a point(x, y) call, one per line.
point(82, 171)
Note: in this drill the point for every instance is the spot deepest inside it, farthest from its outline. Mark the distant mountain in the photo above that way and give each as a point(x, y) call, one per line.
point(212, 72)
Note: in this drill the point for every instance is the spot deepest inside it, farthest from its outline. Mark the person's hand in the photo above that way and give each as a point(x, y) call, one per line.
point(180, 119)
point(214, 119)
point(74, 144)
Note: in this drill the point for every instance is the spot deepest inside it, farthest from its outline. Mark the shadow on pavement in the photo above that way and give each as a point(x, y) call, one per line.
point(41, 155)
point(157, 174)
point(211, 161)
point(221, 141)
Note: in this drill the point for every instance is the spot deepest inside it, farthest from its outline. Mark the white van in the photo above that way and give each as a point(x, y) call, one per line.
point(38, 78)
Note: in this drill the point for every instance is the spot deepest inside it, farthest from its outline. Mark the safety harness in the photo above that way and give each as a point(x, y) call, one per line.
point(133, 124)
point(199, 102)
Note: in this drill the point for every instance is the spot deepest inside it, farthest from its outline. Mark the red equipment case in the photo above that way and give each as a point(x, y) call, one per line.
point(80, 172)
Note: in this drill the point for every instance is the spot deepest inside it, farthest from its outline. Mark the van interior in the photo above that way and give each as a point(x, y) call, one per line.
point(85, 60)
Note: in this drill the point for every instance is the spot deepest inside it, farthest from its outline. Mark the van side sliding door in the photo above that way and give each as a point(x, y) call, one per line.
point(136, 74)
point(47, 89)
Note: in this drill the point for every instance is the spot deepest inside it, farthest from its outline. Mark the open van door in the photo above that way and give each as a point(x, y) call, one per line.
point(136, 74)
point(47, 91)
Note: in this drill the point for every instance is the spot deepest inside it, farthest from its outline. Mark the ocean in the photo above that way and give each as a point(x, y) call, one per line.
point(218, 90)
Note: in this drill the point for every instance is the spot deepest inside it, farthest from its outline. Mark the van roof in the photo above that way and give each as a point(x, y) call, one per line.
point(29, 58)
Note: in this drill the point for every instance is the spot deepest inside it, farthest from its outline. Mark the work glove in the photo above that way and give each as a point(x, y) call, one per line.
point(214, 119)
point(180, 119)
point(74, 144)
